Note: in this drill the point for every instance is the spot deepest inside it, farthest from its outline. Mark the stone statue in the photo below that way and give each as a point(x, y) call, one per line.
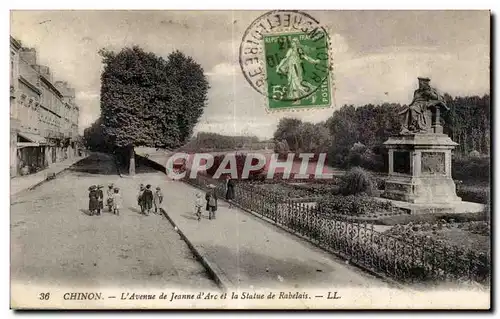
point(425, 100)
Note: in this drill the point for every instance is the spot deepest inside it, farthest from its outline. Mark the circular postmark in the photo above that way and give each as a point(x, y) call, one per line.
point(284, 55)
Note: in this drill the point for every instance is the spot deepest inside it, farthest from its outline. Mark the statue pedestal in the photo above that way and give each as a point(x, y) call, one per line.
point(420, 172)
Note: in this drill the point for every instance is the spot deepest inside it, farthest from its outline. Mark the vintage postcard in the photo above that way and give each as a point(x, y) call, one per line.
point(281, 159)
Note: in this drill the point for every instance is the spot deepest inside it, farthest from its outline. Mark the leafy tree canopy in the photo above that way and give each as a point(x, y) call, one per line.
point(149, 101)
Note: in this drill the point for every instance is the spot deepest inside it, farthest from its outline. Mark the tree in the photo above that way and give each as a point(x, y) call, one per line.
point(149, 101)
point(468, 123)
point(289, 130)
point(344, 132)
point(93, 137)
point(193, 85)
point(314, 138)
point(281, 148)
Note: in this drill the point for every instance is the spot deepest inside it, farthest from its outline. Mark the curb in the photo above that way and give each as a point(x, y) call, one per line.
point(213, 270)
point(49, 176)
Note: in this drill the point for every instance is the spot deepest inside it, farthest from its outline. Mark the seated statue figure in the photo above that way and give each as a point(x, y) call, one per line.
point(425, 99)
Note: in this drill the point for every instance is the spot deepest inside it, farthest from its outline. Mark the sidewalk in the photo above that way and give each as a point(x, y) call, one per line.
point(22, 183)
point(247, 252)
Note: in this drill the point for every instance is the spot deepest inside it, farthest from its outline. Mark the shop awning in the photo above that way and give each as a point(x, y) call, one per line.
point(27, 144)
point(31, 140)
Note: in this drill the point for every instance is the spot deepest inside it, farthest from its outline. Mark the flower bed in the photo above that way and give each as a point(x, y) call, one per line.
point(317, 188)
point(468, 236)
point(279, 177)
point(353, 205)
point(284, 190)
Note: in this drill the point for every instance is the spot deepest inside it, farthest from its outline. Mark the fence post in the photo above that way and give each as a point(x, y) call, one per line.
point(252, 208)
point(308, 218)
point(275, 215)
point(372, 256)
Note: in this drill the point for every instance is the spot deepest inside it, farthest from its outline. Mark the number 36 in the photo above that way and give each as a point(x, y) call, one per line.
point(44, 296)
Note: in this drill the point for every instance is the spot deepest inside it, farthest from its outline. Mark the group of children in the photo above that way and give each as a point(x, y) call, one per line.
point(96, 199)
point(146, 199)
point(211, 203)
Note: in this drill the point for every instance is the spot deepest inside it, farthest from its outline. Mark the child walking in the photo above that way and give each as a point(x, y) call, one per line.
point(139, 198)
point(93, 201)
point(157, 199)
point(100, 198)
point(198, 204)
point(147, 200)
point(117, 201)
point(211, 198)
point(109, 197)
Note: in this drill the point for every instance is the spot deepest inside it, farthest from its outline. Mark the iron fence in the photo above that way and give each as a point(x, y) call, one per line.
point(403, 259)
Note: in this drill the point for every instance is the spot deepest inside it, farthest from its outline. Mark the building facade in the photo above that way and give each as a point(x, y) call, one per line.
point(44, 115)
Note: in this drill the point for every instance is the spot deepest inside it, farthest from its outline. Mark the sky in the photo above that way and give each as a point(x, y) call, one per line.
point(377, 56)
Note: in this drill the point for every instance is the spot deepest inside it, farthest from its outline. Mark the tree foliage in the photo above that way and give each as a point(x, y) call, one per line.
point(297, 136)
point(468, 123)
point(281, 148)
point(149, 101)
point(192, 83)
point(93, 137)
point(289, 130)
point(368, 125)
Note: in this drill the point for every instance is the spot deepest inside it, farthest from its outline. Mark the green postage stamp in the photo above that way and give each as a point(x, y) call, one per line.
point(296, 65)
point(285, 56)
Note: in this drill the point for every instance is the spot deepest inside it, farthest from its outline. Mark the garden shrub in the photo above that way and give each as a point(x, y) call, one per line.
point(370, 158)
point(371, 161)
point(352, 205)
point(471, 168)
point(476, 194)
point(354, 157)
point(356, 181)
